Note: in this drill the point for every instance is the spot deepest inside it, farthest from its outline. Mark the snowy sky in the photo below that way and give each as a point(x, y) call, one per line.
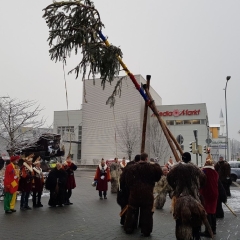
point(189, 47)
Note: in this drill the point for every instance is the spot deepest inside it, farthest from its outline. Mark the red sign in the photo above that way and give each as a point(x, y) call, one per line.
point(177, 113)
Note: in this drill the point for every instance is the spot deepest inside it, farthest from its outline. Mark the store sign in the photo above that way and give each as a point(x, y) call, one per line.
point(177, 113)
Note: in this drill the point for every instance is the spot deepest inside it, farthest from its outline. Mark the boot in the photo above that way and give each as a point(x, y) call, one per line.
point(39, 204)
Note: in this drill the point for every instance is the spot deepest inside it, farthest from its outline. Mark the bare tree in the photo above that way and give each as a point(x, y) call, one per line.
point(19, 123)
point(129, 134)
point(158, 143)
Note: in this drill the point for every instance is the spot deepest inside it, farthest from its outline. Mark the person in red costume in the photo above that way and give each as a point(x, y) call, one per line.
point(102, 177)
point(209, 193)
point(11, 185)
point(38, 182)
point(25, 182)
point(69, 167)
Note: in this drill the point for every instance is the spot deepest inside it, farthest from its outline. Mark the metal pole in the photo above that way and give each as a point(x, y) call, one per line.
point(195, 132)
point(227, 157)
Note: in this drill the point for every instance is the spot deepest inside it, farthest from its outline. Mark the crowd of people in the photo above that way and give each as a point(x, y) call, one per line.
point(29, 179)
point(142, 186)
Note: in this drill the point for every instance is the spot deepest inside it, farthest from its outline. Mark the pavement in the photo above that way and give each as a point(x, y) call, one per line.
point(91, 218)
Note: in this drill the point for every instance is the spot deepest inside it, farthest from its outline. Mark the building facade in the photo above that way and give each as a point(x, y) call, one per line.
point(182, 120)
point(99, 131)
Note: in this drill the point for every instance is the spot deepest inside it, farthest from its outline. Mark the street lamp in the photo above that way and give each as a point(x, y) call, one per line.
point(227, 78)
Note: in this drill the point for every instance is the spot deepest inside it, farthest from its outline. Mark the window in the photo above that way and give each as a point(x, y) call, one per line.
point(187, 122)
point(179, 122)
point(195, 121)
point(79, 154)
point(203, 121)
point(170, 122)
point(63, 129)
point(80, 133)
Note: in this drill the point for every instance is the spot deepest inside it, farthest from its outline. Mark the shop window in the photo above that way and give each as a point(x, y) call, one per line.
point(179, 122)
point(170, 122)
point(203, 121)
point(187, 122)
point(196, 121)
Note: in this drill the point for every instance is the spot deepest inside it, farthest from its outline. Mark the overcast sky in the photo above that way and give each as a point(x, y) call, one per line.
point(189, 47)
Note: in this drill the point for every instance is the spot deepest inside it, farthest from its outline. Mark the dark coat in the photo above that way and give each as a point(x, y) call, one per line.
point(38, 182)
point(223, 169)
point(56, 183)
point(56, 176)
point(210, 190)
point(70, 168)
point(123, 191)
point(102, 176)
point(26, 178)
point(186, 179)
point(140, 180)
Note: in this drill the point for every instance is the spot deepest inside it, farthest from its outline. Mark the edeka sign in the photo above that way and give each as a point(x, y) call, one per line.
point(177, 113)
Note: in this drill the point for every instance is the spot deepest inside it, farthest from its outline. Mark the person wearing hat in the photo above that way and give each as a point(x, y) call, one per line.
point(25, 182)
point(11, 178)
point(209, 192)
point(140, 180)
point(102, 177)
point(69, 167)
point(38, 182)
point(186, 179)
point(123, 191)
point(115, 171)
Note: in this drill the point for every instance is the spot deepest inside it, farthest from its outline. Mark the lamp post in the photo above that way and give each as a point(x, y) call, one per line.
point(227, 78)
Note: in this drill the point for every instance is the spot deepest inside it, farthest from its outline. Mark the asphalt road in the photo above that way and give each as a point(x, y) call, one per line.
point(91, 218)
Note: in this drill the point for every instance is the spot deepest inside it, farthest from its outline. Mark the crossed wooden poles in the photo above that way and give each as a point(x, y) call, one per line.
point(151, 104)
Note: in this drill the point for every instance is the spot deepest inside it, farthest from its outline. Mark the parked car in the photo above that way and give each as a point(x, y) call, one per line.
point(235, 170)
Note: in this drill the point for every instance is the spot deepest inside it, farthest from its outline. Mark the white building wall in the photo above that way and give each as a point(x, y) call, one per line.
point(100, 121)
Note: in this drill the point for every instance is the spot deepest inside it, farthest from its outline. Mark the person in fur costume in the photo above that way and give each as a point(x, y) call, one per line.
point(38, 182)
point(123, 191)
point(186, 180)
point(69, 167)
point(140, 180)
point(115, 171)
point(224, 170)
point(162, 188)
point(56, 183)
point(25, 182)
point(210, 195)
point(222, 198)
point(102, 177)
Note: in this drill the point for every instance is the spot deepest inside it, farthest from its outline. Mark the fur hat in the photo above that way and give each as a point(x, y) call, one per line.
point(209, 162)
point(137, 158)
point(186, 157)
point(14, 158)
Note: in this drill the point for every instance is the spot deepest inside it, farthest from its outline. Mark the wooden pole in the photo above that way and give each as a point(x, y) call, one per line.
point(164, 128)
point(145, 118)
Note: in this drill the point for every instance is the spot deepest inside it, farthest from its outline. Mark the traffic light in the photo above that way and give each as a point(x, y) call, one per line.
point(192, 146)
point(205, 149)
